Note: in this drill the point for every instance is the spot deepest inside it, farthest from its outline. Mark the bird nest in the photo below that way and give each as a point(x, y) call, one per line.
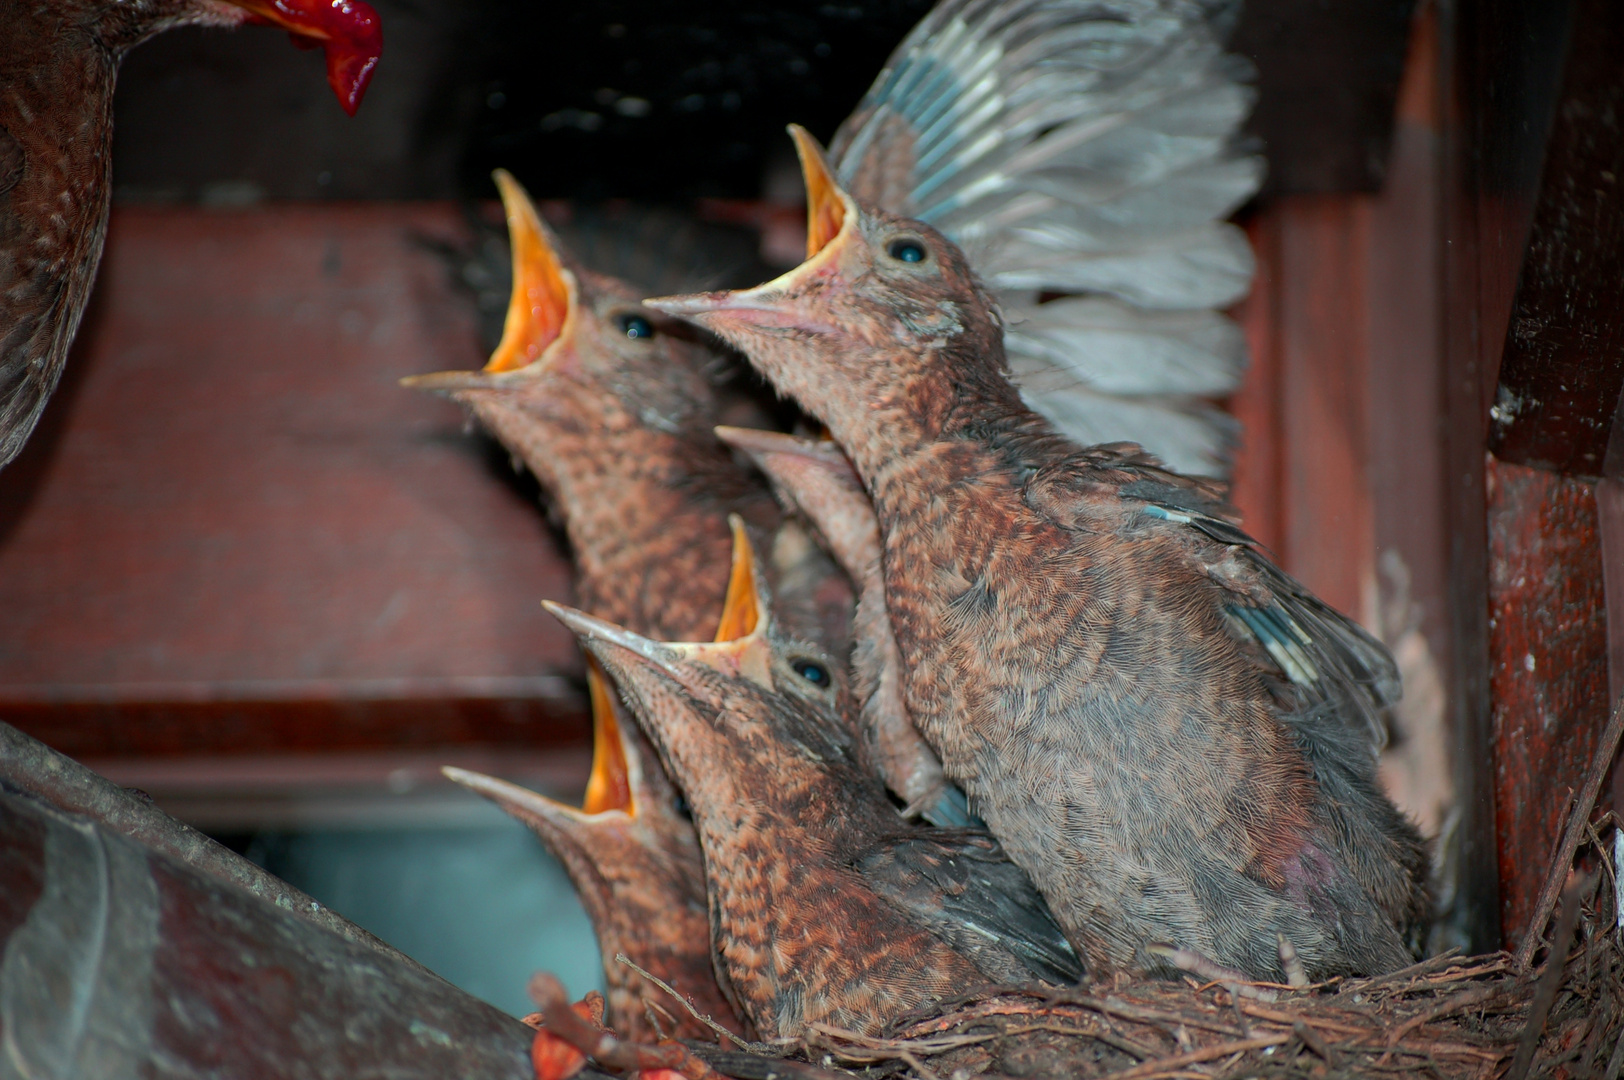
point(1553, 1008)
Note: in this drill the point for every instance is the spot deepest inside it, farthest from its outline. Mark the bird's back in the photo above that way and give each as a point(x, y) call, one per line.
point(1080, 670)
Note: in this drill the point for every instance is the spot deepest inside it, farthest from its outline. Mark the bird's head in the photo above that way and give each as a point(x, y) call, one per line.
point(885, 314)
point(578, 348)
point(752, 703)
point(348, 31)
point(628, 817)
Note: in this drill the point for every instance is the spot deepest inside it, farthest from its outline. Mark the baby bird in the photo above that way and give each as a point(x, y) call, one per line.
point(814, 478)
point(1169, 734)
point(826, 906)
point(608, 404)
point(635, 863)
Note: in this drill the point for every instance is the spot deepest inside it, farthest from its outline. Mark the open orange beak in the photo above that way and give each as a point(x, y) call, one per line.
point(826, 203)
point(543, 291)
point(609, 788)
point(540, 307)
point(741, 647)
point(831, 216)
point(348, 30)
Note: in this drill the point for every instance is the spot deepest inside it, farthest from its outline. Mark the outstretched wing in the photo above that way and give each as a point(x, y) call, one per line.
point(1089, 148)
point(960, 884)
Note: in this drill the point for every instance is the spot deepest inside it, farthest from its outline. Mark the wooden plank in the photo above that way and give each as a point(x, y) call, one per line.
point(1547, 666)
point(1255, 479)
point(1328, 537)
point(1562, 368)
point(234, 531)
point(1328, 74)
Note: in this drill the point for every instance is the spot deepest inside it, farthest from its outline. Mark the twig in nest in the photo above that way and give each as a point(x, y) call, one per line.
point(1109, 1038)
point(622, 958)
point(1549, 981)
point(743, 1065)
point(1425, 967)
point(1315, 1042)
point(1605, 749)
point(1206, 1053)
point(930, 1045)
point(593, 1041)
point(1464, 1000)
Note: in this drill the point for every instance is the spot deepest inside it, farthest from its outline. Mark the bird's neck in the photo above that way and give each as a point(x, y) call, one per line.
point(645, 512)
point(946, 433)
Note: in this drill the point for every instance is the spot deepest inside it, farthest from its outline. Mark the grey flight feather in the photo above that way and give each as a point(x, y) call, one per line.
point(1083, 147)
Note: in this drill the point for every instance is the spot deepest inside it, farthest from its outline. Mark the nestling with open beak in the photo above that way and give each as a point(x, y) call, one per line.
point(608, 404)
point(635, 862)
point(814, 478)
point(1173, 737)
point(58, 63)
point(826, 906)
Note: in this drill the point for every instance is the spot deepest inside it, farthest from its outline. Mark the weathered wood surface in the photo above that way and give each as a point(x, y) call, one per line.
point(1547, 666)
point(235, 532)
point(1563, 364)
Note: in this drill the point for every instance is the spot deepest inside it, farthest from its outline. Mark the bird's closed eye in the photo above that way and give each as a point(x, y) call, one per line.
point(635, 327)
point(812, 671)
point(907, 250)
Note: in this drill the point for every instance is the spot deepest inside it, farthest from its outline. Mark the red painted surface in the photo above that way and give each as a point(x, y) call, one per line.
point(1547, 667)
point(231, 500)
point(1255, 484)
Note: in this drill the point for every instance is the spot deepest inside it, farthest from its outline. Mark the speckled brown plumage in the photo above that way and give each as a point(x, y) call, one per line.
point(1167, 732)
point(618, 430)
point(814, 478)
point(635, 862)
point(826, 907)
point(58, 64)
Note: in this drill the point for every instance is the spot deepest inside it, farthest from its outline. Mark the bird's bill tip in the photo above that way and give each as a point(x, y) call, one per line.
point(590, 629)
point(826, 202)
point(693, 304)
point(518, 802)
point(759, 443)
point(448, 382)
point(542, 300)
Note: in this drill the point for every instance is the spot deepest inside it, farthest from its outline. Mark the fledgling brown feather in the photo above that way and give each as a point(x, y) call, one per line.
point(1168, 733)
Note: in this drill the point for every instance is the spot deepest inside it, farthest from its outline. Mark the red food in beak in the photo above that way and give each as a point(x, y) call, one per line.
point(349, 31)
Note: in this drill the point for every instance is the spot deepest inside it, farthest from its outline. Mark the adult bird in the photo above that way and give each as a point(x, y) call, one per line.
point(1172, 736)
point(826, 905)
point(634, 860)
point(58, 65)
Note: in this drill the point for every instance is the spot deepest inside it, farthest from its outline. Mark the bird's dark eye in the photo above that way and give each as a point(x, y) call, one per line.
point(636, 327)
point(812, 672)
point(908, 251)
